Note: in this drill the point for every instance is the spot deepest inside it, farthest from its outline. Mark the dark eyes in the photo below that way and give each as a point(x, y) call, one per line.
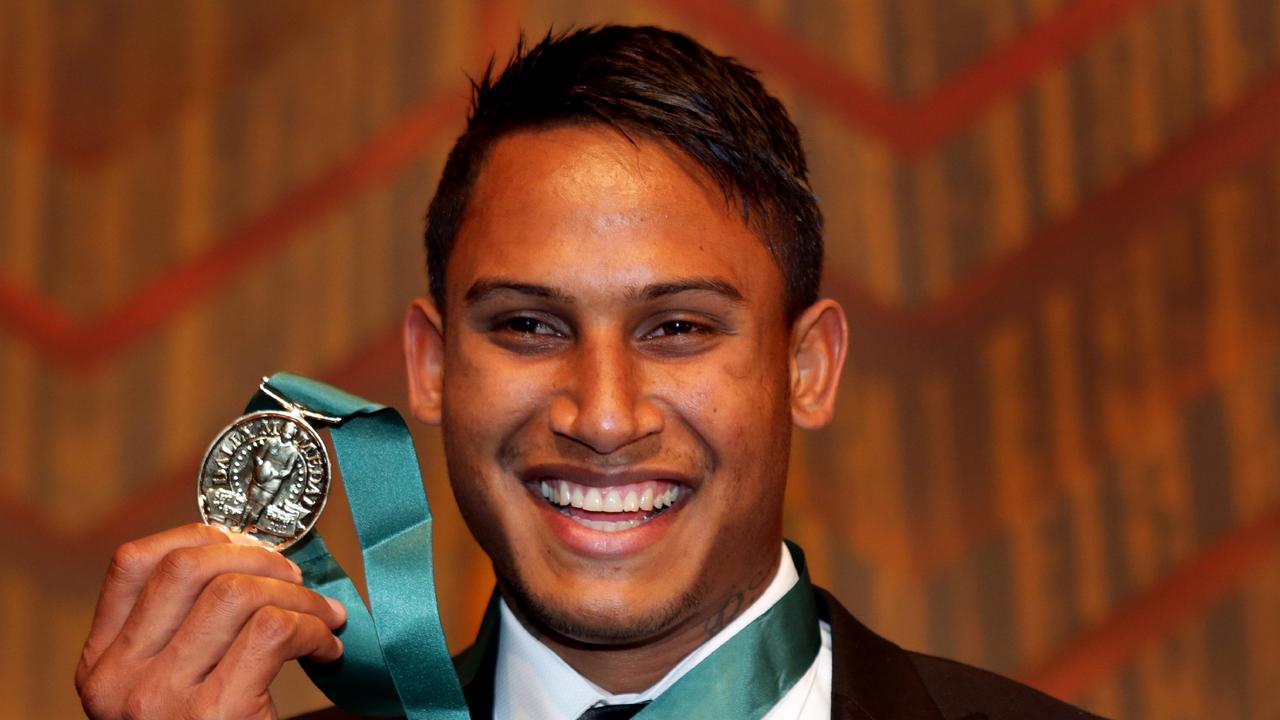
point(524, 325)
point(672, 337)
point(676, 327)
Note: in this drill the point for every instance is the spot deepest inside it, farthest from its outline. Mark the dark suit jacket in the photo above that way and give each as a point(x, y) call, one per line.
point(871, 679)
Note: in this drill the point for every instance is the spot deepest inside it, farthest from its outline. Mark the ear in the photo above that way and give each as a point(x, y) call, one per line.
point(819, 342)
point(424, 360)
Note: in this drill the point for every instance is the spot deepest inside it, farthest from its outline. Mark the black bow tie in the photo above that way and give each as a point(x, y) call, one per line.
point(613, 712)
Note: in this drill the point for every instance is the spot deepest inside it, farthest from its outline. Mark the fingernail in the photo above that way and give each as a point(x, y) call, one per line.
point(297, 569)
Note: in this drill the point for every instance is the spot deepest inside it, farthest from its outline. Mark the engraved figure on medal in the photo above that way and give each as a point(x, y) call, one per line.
point(267, 476)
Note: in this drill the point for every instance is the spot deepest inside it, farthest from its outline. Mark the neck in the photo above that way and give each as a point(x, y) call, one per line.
point(635, 667)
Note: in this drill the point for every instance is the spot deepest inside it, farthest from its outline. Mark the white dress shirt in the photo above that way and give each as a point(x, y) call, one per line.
point(533, 683)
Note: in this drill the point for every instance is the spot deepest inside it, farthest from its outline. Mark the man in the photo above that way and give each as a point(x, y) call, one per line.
point(623, 326)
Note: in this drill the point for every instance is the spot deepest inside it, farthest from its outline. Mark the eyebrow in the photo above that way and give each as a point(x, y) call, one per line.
point(487, 287)
point(698, 284)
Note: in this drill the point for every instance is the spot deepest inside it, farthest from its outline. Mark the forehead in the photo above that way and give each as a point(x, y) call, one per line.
point(588, 209)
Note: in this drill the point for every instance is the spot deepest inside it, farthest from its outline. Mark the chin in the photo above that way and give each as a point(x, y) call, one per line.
point(587, 619)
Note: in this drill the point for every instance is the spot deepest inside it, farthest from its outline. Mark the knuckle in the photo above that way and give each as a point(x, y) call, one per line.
point(231, 590)
point(179, 565)
point(96, 694)
point(127, 563)
point(273, 627)
point(142, 703)
point(151, 695)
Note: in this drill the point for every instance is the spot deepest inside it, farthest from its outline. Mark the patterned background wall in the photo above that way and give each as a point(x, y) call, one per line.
point(1056, 226)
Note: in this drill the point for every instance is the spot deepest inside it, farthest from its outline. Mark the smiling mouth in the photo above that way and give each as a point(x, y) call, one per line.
point(612, 509)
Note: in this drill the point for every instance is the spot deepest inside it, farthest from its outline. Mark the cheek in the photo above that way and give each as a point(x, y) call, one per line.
point(485, 392)
point(487, 402)
point(736, 405)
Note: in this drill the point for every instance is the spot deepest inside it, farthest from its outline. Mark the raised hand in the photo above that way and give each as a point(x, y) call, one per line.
point(191, 624)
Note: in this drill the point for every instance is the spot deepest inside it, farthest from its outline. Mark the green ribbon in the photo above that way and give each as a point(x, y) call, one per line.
point(751, 671)
point(395, 660)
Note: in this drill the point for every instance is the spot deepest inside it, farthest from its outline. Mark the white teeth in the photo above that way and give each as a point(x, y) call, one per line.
point(613, 501)
point(608, 525)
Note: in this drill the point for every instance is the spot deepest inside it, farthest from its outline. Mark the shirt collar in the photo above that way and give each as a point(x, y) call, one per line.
point(531, 681)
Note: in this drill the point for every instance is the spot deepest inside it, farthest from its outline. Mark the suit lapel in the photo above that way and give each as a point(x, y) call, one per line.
point(871, 678)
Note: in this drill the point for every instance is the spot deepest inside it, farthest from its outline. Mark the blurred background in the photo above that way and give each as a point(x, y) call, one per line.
point(1055, 225)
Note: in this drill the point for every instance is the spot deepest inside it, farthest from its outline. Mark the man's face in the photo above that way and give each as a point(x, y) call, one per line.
point(615, 385)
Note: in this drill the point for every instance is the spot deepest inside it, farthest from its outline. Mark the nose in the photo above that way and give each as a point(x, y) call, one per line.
point(605, 406)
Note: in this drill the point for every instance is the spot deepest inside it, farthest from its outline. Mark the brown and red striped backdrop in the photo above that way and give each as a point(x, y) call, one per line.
point(1056, 226)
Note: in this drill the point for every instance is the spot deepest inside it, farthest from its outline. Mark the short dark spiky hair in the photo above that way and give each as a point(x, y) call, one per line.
point(649, 83)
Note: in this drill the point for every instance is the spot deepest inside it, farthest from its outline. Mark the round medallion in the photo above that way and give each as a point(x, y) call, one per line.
point(266, 475)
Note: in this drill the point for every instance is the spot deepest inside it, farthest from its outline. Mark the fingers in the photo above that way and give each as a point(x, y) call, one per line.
point(131, 567)
point(172, 606)
point(236, 688)
point(225, 612)
point(178, 580)
point(271, 637)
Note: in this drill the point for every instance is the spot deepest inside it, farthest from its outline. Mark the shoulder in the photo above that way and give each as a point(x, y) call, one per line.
point(874, 679)
point(964, 691)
